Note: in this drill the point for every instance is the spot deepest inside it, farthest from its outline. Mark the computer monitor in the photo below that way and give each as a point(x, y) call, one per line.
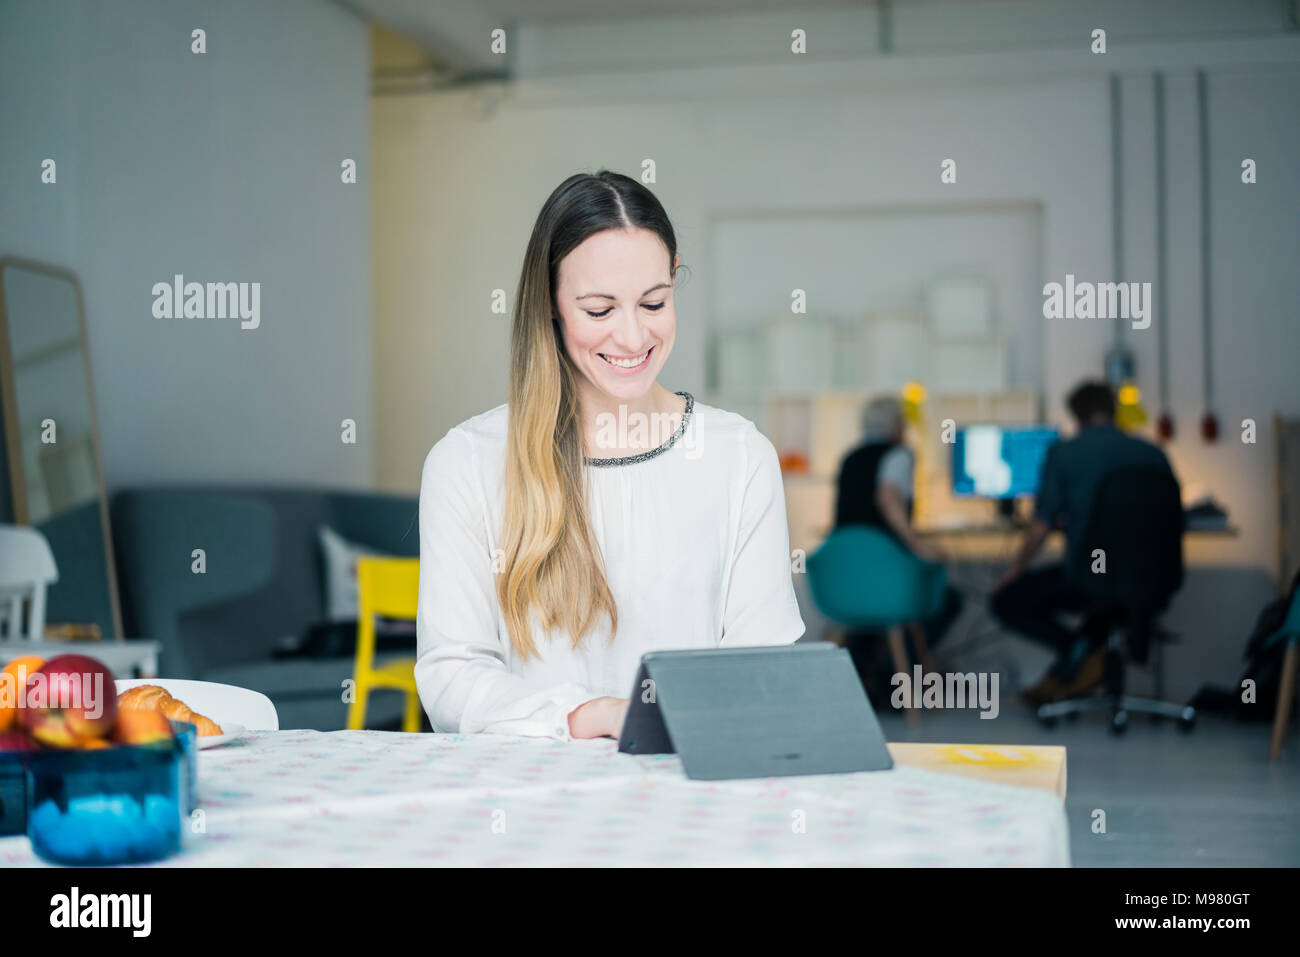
point(999, 461)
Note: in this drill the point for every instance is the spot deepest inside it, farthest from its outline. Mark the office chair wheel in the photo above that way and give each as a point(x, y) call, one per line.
point(1048, 722)
point(1119, 722)
point(1186, 724)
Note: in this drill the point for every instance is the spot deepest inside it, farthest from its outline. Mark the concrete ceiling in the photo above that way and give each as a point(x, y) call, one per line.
point(454, 32)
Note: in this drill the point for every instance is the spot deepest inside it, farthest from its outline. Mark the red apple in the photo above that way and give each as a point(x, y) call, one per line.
point(12, 742)
point(69, 699)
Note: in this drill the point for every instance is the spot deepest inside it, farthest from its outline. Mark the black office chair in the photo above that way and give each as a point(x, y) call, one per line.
point(1136, 521)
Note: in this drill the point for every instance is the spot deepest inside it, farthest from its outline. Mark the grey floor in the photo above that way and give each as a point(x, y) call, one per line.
point(1208, 798)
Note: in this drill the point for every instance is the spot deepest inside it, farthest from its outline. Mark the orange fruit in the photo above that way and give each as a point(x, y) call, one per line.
point(10, 690)
point(142, 727)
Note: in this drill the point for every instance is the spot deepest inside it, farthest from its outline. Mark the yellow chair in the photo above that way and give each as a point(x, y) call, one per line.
point(388, 587)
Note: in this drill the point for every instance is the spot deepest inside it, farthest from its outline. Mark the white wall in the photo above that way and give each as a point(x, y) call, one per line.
point(455, 198)
point(223, 166)
point(460, 177)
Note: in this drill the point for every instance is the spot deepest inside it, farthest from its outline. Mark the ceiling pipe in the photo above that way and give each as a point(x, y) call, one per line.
point(1165, 423)
point(885, 25)
point(1120, 366)
point(1209, 421)
point(1117, 189)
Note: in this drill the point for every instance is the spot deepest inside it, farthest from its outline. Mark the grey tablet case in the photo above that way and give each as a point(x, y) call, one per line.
point(755, 712)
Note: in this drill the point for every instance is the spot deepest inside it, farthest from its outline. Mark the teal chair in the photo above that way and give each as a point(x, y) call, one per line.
point(862, 578)
point(1289, 633)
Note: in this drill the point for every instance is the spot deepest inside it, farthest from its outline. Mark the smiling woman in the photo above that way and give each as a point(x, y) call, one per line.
point(546, 569)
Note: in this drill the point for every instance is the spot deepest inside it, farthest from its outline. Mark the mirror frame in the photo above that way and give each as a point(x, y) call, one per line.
point(13, 444)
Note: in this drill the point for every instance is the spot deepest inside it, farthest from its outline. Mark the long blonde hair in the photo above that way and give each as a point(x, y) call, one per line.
point(552, 563)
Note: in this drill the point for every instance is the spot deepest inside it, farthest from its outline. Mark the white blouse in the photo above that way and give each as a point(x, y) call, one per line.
point(696, 553)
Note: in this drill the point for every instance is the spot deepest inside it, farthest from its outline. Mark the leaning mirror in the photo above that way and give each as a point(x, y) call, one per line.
point(51, 477)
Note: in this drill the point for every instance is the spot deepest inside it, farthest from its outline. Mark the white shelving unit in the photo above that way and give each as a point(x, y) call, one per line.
point(805, 379)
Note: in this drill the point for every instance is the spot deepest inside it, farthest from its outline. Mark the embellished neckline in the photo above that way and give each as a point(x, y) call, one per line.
point(651, 453)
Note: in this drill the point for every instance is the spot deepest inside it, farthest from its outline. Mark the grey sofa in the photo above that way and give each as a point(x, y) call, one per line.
point(263, 581)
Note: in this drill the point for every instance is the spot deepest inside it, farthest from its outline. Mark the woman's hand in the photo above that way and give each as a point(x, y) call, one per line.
point(597, 718)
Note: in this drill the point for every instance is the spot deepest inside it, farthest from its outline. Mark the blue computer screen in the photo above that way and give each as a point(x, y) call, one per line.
point(998, 461)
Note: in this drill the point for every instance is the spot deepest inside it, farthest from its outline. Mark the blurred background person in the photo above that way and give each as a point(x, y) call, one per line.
point(875, 489)
point(1032, 602)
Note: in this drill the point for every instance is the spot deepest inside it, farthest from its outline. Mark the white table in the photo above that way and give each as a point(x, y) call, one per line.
point(123, 658)
point(342, 798)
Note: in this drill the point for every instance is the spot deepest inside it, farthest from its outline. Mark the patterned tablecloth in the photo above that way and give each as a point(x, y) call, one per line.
point(333, 799)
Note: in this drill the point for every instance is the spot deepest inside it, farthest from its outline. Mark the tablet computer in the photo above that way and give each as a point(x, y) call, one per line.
point(755, 712)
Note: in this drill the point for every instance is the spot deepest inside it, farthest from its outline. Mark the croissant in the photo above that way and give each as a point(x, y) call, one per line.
point(143, 698)
point(155, 698)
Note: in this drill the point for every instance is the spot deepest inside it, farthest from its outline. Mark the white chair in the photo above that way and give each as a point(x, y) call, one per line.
point(219, 702)
point(27, 569)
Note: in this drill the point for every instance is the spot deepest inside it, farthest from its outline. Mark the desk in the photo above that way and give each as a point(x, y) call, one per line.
point(978, 554)
point(1013, 532)
point(996, 541)
point(123, 658)
point(346, 798)
point(1017, 528)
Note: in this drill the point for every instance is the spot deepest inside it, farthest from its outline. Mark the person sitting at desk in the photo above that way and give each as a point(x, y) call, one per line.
point(1031, 602)
point(596, 515)
point(875, 489)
